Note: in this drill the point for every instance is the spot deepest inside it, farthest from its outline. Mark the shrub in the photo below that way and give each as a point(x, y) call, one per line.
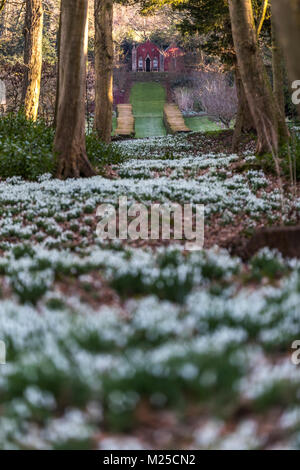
point(289, 158)
point(26, 149)
point(218, 98)
point(268, 264)
point(101, 154)
point(184, 97)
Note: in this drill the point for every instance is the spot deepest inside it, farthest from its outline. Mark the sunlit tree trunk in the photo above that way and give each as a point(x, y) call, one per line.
point(287, 18)
point(69, 144)
point(269, 122)
point(103, 68)
point(2, 5)
point(3, 18)
point(33, 33)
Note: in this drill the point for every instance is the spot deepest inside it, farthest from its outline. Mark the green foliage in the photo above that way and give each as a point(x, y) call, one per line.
point(209, 18)
point(12, 47)
point(101, 154)
point(267, 264)
point(212, 19)
point(49, 51)
point(26, 149)
point(169, 282)
point(289, 160)
point(201, 124)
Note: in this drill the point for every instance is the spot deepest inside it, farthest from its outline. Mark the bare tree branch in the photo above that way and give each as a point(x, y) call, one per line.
point(262, 17)
point(2, 5)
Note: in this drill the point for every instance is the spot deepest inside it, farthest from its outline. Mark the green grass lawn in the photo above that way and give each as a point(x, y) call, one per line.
point(201, 124)
point(114, 124)
point(148, 101)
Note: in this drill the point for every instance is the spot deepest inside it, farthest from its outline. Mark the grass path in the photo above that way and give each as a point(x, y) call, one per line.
point(148, 101)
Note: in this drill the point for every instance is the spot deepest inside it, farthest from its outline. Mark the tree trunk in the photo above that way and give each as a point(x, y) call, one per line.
point(33, 33)
point(103, 68)
point(69, 143)
point(244, 122)
point(278, 70)
point(4, 10)
point(287, 18)
point(2, 5)
point(270, 124)
point(57, 72)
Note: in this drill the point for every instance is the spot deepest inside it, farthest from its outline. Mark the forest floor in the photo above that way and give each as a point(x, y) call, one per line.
point(144, 345)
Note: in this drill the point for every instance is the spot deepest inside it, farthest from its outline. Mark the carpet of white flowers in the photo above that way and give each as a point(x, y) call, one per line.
point(116, 346)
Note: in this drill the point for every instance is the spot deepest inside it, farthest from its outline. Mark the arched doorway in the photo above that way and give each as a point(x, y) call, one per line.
point(148, 64)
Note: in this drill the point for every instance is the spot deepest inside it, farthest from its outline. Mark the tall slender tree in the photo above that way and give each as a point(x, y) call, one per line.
point(269, 122)
point(103, 68)
point(33, 33)
point(69, 144)
point(57, 72)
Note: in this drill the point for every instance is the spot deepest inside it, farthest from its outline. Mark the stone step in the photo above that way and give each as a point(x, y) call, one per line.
point(125, 121)
point(173, 119)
